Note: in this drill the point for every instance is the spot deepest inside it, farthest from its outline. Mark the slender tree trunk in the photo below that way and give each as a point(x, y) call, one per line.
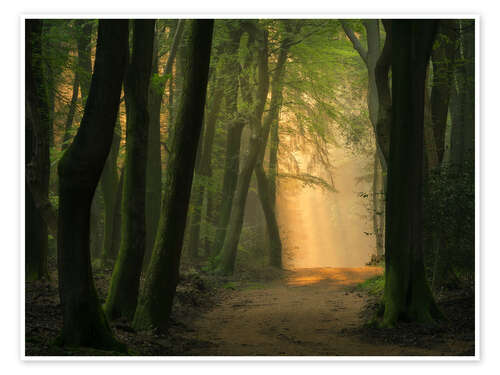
point(233, 140)
point(84, 323)
point(383, 127)
point(225, 261)
point(204, 171)
point(156, 299)
point(443, 56)
point(153, 171)
point(112, 252)
point(109, 183)
point(407, 294)
point(36, 154)
point(124, 284)
point(267, 198)
point(71, 112)
point(378, 209)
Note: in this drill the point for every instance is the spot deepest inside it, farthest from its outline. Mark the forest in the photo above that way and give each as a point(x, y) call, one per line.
point(249, 187)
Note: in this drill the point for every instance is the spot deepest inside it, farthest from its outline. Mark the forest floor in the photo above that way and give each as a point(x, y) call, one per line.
point(309, 312)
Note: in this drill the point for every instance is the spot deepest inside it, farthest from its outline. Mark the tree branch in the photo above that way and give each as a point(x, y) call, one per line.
point(355, 41)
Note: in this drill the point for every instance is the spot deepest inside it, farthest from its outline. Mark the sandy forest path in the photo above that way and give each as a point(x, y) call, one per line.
point(305, 313)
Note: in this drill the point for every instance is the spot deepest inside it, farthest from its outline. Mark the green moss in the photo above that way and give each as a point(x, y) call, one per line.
point(373, 286)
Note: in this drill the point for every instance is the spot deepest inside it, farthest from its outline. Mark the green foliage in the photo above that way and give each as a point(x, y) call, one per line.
point(373, 286)
point(449, 209)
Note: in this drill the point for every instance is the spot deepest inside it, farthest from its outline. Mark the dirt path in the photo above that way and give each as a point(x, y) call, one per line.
point(303, 314)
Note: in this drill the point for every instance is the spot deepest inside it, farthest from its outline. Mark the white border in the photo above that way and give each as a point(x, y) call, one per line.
point(216, 359)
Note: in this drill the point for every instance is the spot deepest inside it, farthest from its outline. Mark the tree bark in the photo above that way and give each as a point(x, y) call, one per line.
point(124, 284)
point(225, 261)
point(155, 302)
point(36, 155)
point(407, 294)
point(233, 138)
point(84, 323)
point(109, 184)
point(153, 168)
point(383, 128)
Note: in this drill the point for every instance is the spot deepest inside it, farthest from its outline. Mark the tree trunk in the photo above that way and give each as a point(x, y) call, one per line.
point(265, 194)
point(71, 112)
point(407, 293)
point(84, 323)
point(204, 171)
point(225, 261)
point(442, 66)
point(233, 139)
point(378, 207)
point(124, 284)
point(109, 184)
point(383, 128)
point(153, 168)
point(36, 154)
point(112, 252)
point(155, 302)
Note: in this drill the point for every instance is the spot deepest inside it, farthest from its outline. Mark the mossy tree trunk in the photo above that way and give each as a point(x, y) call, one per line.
point(235, 126)
point(84, 323)
point(124, 284)
point(153, 168)
point(266, 195)
point(156, 300)
point(204, 169)
point(226, 260)
point(407, 294)
point(36, 154)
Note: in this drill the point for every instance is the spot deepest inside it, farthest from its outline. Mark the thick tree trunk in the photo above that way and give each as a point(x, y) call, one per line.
point(155, 302)
point(36, 154)
point(84, 323)
point(124, 284)
point(407, 294)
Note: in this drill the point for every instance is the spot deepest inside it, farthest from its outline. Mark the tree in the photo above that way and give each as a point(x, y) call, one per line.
point(407, 293)
point(84, 323)
point(153, 168)
point(235, 124)
point(156, 300)
point(36, 154)
point(226, 259)
point(124, 284)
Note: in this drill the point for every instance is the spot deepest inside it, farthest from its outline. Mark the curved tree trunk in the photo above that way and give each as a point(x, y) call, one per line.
point(156, 299)
point(84, 323)
point(407, 294)
point(124, 284)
